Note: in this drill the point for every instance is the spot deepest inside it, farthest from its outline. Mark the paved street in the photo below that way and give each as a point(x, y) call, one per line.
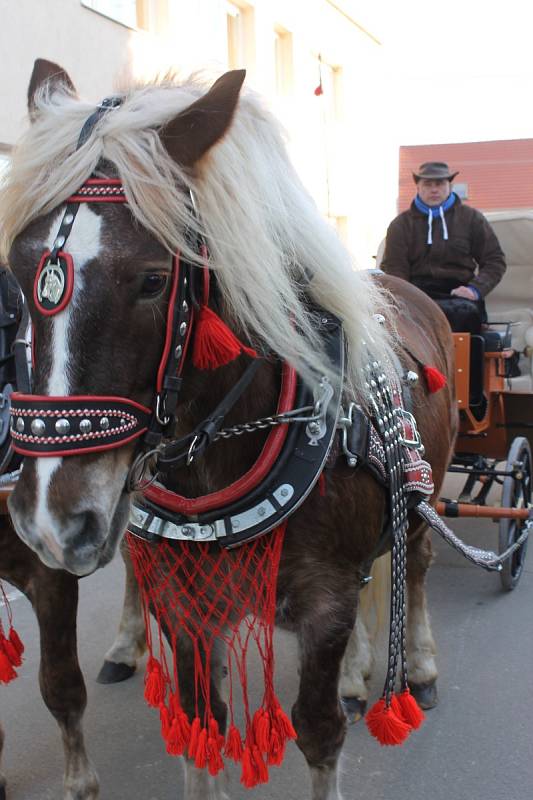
point(477, 745)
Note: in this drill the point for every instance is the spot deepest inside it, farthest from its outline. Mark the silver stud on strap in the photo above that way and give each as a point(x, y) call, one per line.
point(104, 423)
point(38, 427)
point(62, 426)
point(20, 424)
point(86, 426)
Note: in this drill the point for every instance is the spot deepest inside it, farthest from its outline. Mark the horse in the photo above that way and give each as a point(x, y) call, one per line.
point(206, 176)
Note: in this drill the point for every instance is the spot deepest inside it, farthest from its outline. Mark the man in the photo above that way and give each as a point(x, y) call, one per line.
point(445, 248)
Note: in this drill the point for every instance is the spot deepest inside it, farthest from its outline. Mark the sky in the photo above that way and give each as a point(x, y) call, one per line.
point(454, 70)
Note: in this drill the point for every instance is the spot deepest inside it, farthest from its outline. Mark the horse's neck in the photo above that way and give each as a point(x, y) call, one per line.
point(225, 460)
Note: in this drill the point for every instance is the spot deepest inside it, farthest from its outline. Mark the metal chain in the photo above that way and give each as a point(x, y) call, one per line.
point(268, 422)
point(318, 411)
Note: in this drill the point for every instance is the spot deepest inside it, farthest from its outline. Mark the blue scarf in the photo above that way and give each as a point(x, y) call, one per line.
point(436, 211)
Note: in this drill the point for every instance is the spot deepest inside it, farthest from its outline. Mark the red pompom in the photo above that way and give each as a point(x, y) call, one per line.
point(261, 729)
point(214, 344)
point(15, 641)
point(154, 684)
point(214, 744)
point(385, 725)
point(249, 775)
point(195, 733)
point(435, 380)
point(276, 750)
point(200, 758)
point(408, 709)
point(164, 718)
point(233, 748)
point(7, 673)
point(319, 90)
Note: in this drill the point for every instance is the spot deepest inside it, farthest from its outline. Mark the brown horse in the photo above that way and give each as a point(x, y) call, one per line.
point(274, 260)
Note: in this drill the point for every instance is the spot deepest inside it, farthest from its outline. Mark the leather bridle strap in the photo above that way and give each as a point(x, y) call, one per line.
point(182, 451)
point(66, 426)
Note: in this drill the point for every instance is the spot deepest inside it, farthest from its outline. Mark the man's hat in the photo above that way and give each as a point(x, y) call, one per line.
point(436, 170)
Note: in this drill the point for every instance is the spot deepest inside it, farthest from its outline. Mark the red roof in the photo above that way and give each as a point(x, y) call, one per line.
point(499, 174)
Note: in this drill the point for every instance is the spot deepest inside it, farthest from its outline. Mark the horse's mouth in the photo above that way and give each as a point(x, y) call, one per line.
point(91, 548)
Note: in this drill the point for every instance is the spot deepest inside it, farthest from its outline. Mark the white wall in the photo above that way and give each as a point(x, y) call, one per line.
point(100, 55)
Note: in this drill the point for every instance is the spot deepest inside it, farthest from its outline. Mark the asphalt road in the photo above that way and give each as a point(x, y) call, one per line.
point(476, 745)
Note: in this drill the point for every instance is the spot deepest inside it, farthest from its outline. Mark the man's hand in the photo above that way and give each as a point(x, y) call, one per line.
point(464, 291)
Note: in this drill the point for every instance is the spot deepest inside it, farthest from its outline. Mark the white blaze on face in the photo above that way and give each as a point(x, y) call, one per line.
point(83, 244)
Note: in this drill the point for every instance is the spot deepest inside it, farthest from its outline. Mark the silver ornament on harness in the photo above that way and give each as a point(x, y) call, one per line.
point(51, 285)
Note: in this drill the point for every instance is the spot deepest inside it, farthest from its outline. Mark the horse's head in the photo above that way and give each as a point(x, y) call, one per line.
point(98, 305)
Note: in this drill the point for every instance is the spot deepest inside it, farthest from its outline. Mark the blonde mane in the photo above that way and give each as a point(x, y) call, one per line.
point(268, 242)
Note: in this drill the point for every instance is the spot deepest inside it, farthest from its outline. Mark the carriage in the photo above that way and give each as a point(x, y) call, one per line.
point(494, 384)
point(291, 304)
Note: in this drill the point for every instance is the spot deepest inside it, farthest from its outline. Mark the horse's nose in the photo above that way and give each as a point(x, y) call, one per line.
point(82, 541)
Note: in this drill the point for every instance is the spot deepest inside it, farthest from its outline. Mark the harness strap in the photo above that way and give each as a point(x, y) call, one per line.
point(195, 443)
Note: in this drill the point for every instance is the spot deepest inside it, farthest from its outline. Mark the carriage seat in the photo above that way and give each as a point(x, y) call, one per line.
point(521, 320)
point(497, 338)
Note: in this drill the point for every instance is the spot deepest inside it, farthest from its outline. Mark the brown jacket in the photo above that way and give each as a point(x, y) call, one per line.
point(470, 256)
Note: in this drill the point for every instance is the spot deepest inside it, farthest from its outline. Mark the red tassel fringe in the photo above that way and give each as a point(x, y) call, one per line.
point(384, 724)
point(408, 709)
point(435, 380)
point(154, 684)
point(11, 648)
point(7, 673)
point(234, 748)
point(268, 730)
point(214, 343)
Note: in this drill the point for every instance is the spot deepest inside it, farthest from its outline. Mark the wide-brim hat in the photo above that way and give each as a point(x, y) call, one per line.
point(434, 170)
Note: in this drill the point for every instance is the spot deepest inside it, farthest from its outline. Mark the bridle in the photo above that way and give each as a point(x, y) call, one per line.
point(65, 426)
point(80, 424)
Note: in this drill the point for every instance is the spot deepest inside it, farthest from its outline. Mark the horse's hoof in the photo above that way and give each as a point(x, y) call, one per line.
point(425, 694)
point(113, 673)
point(354, 709)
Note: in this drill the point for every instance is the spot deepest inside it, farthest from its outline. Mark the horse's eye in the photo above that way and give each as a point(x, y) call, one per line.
point(153, 284)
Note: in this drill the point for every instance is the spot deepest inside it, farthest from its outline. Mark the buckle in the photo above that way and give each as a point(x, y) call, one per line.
point(415, 443)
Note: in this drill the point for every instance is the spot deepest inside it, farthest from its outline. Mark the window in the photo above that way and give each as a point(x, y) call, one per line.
point(283, 61)
point(240, 22)
point(132, 13)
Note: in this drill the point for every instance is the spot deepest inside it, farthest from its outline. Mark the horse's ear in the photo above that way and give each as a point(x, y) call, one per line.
point(47, 72)
point(194, 131)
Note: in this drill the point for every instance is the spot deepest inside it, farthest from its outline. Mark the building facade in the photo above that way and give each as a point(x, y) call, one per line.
point(493, 176)
point(305, 56)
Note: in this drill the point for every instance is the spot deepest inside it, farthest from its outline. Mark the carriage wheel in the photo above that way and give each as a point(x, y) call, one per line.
point(516, 493)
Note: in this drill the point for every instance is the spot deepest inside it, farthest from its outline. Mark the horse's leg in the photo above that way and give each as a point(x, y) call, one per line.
point(317, 714)
point(54, 597)
point(55, 600)
point(355, 670)
point(130, 644)
point(359, 656)
point(199, 784)
point(421, 650)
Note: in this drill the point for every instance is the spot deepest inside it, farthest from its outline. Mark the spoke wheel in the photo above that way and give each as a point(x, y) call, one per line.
point(516, 493)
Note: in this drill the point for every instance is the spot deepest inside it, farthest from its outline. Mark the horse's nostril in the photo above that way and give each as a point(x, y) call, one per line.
point(84, 533)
